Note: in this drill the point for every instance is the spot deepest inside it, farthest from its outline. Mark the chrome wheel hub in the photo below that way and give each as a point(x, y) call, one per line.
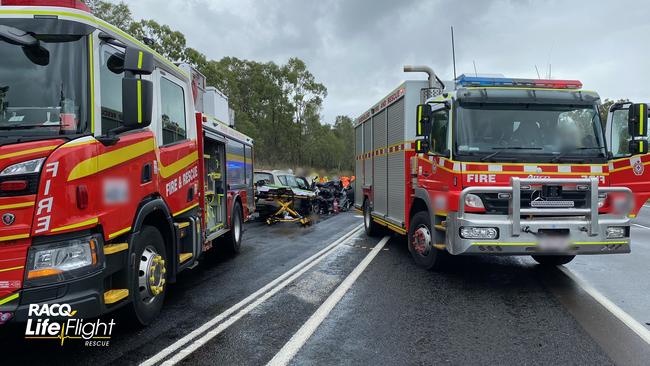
point(151, 274)
point(422, 240)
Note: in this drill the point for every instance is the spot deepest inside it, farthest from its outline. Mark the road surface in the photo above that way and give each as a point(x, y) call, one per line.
point(328, 294)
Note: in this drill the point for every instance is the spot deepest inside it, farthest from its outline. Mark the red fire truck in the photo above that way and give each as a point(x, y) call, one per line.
point(112, 179)
point(494, 165)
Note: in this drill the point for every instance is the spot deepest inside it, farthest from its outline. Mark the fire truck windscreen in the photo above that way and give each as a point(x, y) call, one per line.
point(529, 133)
point(43, 78)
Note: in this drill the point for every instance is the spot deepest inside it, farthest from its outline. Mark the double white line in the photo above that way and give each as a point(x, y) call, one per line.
point(182, 347)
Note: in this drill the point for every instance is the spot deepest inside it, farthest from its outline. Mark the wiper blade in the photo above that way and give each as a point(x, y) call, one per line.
point(500, 149)
point(565, 153)
point(26, 127)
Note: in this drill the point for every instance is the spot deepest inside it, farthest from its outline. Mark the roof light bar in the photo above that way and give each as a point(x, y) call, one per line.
point(480, 81)
point(73, 4)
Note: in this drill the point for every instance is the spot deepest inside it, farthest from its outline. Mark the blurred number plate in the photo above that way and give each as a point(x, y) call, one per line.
point(554, 243)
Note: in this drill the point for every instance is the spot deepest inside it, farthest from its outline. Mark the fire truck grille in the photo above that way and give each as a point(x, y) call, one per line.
point(495, 205)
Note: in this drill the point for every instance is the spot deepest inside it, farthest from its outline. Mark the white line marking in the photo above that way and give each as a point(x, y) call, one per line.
point(645, 227)
point(634, 325)
point(270, 288)
point(291, 348)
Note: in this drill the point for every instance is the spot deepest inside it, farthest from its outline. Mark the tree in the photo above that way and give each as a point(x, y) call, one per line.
point(604, 108)
point(117, 14)
point(279, 106)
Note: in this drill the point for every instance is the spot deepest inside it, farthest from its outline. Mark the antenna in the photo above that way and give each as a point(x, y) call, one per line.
point(536, 69)
point(549, 71)
point(475, 72)
point(453, 51)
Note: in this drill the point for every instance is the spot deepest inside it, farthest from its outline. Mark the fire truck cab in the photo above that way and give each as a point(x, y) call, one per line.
point(495, 165)
point(112, 177)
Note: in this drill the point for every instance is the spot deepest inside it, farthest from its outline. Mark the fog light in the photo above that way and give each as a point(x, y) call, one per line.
point(479, 232)
point(5, 317)
point(472, 200)
point(616, 232)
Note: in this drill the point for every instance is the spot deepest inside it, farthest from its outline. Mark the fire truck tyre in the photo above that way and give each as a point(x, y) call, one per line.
point(420, 242)
point(372, 228)
point(553, 260)
point(148, 275)
point(233, 238)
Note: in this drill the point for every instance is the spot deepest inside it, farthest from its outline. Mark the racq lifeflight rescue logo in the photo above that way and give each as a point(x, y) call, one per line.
point(40, 325)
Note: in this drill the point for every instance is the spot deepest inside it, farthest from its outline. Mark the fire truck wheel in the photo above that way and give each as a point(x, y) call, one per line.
point(420, 242)
point(148, 273)
point(553, 260)
point(372, 228)
point(233, 239)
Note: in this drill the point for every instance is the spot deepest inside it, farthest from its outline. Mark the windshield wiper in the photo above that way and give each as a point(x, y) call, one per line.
point(26, 127)
point(490, 156)
point(564, 153)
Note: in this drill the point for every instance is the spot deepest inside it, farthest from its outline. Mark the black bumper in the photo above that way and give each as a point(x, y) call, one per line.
point(84, 294)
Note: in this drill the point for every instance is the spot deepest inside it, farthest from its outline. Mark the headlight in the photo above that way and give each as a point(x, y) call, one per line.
point(472, 200)
point(616, 232)
point(479, 232)
point(26, 167)
point(62, 261)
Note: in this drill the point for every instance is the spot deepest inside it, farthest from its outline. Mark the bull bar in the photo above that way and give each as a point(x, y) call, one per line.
point(586, 225)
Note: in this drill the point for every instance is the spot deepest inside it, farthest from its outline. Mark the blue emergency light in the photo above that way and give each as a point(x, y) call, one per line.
point(486, 81)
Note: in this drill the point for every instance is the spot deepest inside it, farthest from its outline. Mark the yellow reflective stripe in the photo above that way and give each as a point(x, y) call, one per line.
point(419, 120)
point(641, 106)
point(28, 151)
point(14, 237)
point(178, 165)
point(92, 221)
point(16, 205)
point(11, 268)
point(139, 82)
point(140, 59)
point(640, 146)
point(92, 83)
point(185, 209)
point(108, 160)
point(599, 242)
point(235, 157)
point(119, 232)
point(9, 298)
point(115, 248)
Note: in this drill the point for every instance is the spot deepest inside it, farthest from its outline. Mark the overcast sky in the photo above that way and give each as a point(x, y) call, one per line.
point(357, 48)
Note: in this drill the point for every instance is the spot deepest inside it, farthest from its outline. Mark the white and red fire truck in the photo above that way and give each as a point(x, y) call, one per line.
point(112, 179)
point(494, 165)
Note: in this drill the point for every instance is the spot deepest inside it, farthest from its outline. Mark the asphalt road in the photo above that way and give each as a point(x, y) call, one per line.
point(305, 296)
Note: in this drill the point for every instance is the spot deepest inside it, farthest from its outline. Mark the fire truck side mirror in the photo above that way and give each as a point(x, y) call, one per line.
point(637, 122)
point(423, 116)
point(137, 103)
point(422, 146)
point(638, 147)
point(138, 62)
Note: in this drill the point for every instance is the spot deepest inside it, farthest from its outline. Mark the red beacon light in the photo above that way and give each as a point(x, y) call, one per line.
point(504, 82)
point(557, 84)
point(73, 4)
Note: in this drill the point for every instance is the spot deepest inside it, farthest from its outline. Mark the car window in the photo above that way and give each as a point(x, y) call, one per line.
point(173, 111)
point(264, 176)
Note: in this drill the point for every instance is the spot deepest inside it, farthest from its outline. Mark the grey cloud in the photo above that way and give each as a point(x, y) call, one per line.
point(357, 48)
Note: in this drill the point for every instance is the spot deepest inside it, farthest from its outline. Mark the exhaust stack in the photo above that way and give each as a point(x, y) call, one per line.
point(425, 69)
